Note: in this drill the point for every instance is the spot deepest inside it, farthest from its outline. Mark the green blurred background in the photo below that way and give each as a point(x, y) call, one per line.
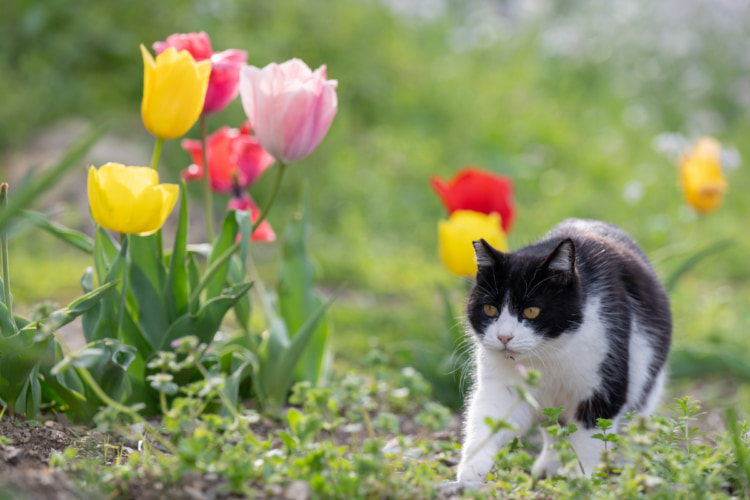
point(585, 104)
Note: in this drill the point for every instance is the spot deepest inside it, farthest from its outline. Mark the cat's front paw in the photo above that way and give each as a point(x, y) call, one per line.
point(468, 474)
point(457, 488)
point(547, 465)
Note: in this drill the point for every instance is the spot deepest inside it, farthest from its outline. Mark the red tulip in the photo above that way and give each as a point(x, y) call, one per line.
point(198, 44)
point(479, 191)
point(289, 106)
point(223, 85)
point(265, 231)
point(235, 159)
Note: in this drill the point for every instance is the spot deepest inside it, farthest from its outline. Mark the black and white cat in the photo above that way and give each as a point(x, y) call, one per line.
point(582, 306)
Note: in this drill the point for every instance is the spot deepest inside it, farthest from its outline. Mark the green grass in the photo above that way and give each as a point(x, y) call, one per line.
point(350, 441)
point(43, 269)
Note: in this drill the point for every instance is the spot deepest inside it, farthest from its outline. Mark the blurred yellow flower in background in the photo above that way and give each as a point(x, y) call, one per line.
point(455, 237)
point(701, 177)
point(130, 200)
point(174, 90)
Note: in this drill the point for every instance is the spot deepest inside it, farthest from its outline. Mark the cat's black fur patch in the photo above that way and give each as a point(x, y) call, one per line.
point(605, 263)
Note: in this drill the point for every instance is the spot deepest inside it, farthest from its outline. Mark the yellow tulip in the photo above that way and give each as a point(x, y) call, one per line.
point(130, 199)
point(455, 237)
point(174, 90)
point(702, 180)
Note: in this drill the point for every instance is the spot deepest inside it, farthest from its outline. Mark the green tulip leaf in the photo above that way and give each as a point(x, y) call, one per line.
point(298, 298)
point(276, 374)
point(87, 280)
point(205, 323)
point(106, 252)
point(176, 291)
point(217, 262)
point(81, 305)
point(146, 278)
point(7, 326)
point(240, 367)
point(107, 361)
point(243, 307)
point(132, 334)
point(64, 387)
point(245, 225)
point(217, 269)
point(193, 273)
point(101, 321)
point(75, 238)
point(30, 397)
point(19, 355)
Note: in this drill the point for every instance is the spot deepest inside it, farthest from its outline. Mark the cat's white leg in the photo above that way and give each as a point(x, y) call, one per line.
point(588, 449)
point(546, 464)
point(480, 444)
point(654, 398)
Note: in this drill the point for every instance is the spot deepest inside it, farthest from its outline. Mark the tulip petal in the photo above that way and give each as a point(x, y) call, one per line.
point(192, 173)
point(134, 179)
point(251, 160)
point(223, 85)
point(703, 182)
point(248, 74)
point(315, 124)
point(289, 106)
point(198, 44)
point(99, 207)
point(174, 92)
point(455, 237)
point(160, 200)
point(479, 191)
point(152, 208)
point(121, 201)
point(129, 199)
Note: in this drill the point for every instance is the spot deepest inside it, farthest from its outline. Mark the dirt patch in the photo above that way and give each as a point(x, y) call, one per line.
point(32, 443)
point(24, 471)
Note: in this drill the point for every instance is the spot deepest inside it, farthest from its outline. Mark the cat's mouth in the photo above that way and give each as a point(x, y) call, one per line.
point(509, 354)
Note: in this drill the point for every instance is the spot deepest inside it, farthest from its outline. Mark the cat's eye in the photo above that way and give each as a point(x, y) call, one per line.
point(490, 310)
point(531, 312)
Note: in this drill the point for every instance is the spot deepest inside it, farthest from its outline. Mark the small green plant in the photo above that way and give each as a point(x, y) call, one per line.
point(687, 411)
point(604, 425)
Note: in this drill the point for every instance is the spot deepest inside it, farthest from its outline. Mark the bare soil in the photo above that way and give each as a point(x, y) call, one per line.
point(24, 465)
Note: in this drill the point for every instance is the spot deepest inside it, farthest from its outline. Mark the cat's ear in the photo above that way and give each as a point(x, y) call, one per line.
point(562, 258)
point(485, 254)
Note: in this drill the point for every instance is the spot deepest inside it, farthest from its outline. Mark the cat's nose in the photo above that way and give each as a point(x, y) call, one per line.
point(505, 339)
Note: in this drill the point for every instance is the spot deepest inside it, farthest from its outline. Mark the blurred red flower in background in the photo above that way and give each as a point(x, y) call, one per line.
point(244, 202)
point(479, 191)
point(235, 159)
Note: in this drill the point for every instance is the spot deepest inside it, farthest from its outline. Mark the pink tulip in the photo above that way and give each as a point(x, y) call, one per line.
point(223, 85)
point(235, 159)
point(289, 106)
point(264, 231)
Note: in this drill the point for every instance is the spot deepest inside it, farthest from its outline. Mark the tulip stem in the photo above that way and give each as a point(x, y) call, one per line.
point(274, 190)
point(4, 251)
point(208, 207)
point(123, 297)
point(157, 153)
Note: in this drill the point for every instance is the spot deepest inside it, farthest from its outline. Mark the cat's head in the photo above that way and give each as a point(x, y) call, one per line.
point(521, 301)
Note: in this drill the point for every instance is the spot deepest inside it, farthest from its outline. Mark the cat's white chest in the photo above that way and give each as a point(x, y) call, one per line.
point(569, 365)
